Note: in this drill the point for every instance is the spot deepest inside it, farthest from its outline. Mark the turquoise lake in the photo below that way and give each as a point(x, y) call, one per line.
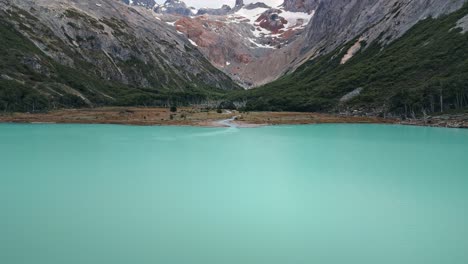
point(318, 194)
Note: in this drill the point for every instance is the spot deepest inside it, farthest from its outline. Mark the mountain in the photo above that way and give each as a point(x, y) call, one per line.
point(257, 43)
point(253, 43)
point(408, 59)
point(250, 42)
point(76, 53)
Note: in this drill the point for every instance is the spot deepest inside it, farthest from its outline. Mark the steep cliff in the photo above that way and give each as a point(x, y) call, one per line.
point(337, 22)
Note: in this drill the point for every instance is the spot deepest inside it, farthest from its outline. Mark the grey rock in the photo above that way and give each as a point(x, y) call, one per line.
point(351, 95)
point(256, 5)
point(463, 24)
point(239, 4)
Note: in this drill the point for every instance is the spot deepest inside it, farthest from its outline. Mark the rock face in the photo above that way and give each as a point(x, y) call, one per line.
point(239, 3)
point(463, 24)
point(337, 22)
point(217, 40)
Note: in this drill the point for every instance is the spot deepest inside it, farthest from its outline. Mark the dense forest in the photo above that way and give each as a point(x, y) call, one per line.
point(31, 81)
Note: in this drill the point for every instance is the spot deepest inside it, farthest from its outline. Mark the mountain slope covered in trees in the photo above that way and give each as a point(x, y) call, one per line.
point(56, 54)
point(425, 71)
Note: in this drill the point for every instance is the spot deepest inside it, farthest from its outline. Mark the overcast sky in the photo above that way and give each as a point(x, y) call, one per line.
point(219, 3)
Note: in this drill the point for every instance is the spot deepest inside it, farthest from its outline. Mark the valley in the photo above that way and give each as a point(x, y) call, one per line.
point(387, 59)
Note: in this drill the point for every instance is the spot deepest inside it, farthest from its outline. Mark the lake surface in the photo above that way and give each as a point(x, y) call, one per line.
point(354, 194)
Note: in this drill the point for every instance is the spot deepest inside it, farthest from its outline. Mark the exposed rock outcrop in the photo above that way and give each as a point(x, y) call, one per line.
point(463, 24)
point(239, 3)
point(227, 45)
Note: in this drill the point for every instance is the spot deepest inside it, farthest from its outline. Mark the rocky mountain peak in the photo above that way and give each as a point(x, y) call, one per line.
point(239, 3)
point(175, 7)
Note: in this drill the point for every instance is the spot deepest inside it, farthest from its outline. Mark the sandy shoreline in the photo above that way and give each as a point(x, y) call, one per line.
point(205, 118)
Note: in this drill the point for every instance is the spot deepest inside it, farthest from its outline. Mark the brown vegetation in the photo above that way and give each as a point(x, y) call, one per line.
point(183, 117)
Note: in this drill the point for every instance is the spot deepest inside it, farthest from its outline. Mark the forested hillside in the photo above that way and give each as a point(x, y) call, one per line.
point(59, 54)
point(424, 71)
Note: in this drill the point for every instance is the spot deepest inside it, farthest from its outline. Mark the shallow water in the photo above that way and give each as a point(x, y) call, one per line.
point(352, 194)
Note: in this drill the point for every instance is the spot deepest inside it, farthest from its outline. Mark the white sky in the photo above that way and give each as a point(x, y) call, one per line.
point(219, 3)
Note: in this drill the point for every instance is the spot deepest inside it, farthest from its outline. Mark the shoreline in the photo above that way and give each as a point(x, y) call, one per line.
point(198, 117)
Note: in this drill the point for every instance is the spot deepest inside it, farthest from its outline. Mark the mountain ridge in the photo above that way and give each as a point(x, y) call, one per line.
point(123, 57)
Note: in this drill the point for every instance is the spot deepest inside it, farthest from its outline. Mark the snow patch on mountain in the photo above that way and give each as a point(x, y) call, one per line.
point(275, 23)
point(193, 43)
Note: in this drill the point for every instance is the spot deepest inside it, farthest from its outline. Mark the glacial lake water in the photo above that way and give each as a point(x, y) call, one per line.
point(319, 194)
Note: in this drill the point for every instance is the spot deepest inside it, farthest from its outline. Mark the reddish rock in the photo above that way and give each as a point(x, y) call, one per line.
point(272, 21)
point(243, 58)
